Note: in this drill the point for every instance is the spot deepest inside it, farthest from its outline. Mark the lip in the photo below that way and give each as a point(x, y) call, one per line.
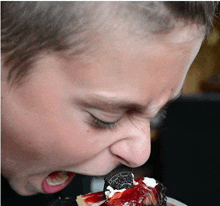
point(53, 189)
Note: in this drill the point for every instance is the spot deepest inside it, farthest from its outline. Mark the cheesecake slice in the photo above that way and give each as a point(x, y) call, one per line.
point(145, 191)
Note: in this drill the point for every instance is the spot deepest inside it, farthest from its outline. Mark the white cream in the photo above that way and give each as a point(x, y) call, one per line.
point(110, 191)
point(150, 182)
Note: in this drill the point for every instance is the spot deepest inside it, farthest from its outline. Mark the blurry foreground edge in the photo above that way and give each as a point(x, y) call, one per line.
point(173, 202)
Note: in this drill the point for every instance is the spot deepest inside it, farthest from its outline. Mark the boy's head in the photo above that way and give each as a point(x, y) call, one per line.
point(75, 28)
point(81, 81)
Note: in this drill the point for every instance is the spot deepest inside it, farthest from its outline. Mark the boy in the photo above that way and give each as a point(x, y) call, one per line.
point(81, 81)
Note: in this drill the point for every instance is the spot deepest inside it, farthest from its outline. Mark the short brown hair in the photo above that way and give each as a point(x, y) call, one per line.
point(29, 28)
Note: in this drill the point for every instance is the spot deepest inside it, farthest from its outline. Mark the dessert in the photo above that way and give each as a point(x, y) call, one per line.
point(118, 191)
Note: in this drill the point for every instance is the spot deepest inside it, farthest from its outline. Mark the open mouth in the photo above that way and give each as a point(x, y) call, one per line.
point(56, 181)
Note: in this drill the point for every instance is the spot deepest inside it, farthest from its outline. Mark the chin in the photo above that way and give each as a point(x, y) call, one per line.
point(26, 186)
point(22, 190)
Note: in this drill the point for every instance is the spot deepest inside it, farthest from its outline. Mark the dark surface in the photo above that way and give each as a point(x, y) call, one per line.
point(190, 150)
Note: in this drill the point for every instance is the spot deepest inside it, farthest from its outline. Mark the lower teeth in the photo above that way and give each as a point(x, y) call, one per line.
point(58, 180)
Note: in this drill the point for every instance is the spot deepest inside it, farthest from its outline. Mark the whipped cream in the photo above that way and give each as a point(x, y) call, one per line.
point(110, 191)
point(150, 182)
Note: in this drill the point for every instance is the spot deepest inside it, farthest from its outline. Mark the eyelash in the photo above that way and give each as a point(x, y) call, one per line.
point(163, 114)
point(103, 125)
point(157, 121)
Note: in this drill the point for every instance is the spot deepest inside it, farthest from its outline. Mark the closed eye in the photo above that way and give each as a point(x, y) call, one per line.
point(99, 124)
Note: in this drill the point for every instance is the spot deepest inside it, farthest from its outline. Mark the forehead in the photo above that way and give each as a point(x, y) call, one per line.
point(119, 44)
point(120, 40)
point(120, 62)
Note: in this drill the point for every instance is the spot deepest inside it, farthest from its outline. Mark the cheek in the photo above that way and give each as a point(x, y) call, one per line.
point(80, 141)
point(19, 156)
point(46, 144)
point(42, 132)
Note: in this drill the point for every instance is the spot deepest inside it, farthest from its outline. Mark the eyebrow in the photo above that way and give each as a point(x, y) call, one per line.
point(99, 101)
point(110, 103)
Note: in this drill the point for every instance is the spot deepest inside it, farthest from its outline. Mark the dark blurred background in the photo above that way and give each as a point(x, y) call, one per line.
point(185, 153)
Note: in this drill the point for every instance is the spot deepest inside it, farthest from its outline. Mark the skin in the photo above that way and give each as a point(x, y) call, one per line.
point(48, 125)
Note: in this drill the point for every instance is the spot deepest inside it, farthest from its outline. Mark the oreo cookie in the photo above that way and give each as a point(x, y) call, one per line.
point(119, 178)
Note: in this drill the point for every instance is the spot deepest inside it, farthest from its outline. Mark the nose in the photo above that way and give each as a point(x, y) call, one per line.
point(133, 146)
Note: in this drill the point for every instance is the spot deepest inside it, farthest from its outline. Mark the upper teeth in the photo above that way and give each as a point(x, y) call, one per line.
point(58, 180)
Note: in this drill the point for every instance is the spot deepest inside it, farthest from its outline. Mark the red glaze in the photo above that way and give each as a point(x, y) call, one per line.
point(136, 195)
point(93, 197)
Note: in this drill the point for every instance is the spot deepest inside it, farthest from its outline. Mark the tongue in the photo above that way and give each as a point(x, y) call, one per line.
point(53, 187)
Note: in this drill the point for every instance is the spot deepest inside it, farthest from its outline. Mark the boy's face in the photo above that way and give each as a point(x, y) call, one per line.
point(89, 116)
